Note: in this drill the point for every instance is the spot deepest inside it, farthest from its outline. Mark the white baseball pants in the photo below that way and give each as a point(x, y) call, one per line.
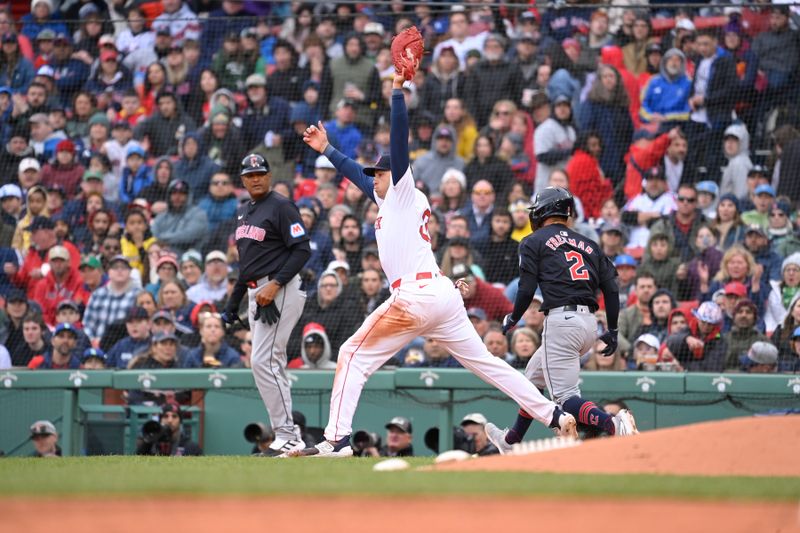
point(430, 308)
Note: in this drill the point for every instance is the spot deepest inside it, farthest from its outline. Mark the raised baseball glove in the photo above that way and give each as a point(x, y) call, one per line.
point(408, 46)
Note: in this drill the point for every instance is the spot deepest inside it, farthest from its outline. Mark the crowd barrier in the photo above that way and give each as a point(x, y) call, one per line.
point(88, 410)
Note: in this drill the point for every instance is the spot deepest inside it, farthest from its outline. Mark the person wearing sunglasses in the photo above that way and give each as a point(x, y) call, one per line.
point(682, 225)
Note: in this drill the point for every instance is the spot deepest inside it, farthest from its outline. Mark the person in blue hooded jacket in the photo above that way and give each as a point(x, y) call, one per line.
point(666, 96)
point(135, 175)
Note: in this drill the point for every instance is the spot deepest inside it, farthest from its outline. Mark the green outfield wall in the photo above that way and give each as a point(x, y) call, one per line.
point(86, 408)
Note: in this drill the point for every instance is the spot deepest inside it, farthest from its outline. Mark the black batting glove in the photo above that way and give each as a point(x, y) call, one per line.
point(229, 318)
point(610, 339)
point(268, 314)
point(508, 323)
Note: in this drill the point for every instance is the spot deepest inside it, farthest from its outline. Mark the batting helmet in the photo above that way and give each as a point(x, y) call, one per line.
point(253, 163)
point(551, 202)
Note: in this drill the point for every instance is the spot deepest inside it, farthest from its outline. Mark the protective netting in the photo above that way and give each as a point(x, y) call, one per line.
point(674, 125)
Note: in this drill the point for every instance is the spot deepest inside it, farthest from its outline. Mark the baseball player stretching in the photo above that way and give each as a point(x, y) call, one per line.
point(423, 300)
point(569, 268)
point(273, 246)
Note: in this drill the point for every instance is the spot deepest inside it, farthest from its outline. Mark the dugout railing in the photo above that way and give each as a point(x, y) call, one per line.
point(89, 411)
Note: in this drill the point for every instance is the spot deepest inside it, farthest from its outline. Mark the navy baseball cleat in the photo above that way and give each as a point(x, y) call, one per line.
point(339, 449)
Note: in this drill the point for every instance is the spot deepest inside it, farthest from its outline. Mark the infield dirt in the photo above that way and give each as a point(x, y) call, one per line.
point(753, 446)
point(389, 515)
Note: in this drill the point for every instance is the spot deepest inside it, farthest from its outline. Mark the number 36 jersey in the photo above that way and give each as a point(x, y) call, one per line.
point(567, 266)
point(401, 230)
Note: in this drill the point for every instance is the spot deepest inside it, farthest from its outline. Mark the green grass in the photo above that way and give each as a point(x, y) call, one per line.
point(251, 475)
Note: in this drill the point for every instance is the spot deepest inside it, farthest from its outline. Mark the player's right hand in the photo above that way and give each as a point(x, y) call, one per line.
point(610, 340)
point(316, 137)
point(508, 323)
point(228, 318)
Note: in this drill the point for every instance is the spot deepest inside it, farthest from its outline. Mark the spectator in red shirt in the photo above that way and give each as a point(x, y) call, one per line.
point(482, 295)
point(62, 282)
point(586, 177)
point(43, 237)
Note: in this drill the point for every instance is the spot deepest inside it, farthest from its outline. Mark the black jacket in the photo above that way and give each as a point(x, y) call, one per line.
point(489, 82)
point(722, 91)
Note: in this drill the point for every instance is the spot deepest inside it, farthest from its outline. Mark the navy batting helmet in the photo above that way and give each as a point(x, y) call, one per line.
point(253, 163)
point(551, 202)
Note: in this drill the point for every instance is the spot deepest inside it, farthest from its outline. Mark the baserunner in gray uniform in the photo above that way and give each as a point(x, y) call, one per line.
point(569, 269)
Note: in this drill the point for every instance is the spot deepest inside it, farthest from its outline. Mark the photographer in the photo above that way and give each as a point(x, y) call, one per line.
point(473, 425)
point(398, 438)
point(45, 439)
point(260, 435)
point(166, 437)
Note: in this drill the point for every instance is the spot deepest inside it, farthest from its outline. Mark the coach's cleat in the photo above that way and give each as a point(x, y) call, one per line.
point(497, 437)
point(282, 447)
point(338, 449)
point(567, 427)
point(624, 423)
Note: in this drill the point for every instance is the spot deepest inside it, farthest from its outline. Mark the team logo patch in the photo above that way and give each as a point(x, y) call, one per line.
point(297, 230)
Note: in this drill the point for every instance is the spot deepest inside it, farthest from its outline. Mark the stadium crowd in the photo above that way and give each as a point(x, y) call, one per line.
point(123, 124)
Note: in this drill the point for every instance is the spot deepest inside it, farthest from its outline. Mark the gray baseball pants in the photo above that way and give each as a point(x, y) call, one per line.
point(269, 354)
point(556, 365)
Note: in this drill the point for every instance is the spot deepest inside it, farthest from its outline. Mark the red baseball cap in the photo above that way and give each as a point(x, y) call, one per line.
point(736, 288)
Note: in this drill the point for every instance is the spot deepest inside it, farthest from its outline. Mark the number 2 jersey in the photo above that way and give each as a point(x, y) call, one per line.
point(568, 267)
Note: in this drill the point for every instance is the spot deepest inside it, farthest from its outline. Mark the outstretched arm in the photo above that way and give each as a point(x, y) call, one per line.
point(399, 130)
point(317, 138)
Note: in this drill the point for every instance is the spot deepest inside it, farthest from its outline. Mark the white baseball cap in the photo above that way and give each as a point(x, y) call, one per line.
point(10, 190)
point(649, 339)
point(474, 418)
point(333, 265)
point(216, 255)
point(29, 163)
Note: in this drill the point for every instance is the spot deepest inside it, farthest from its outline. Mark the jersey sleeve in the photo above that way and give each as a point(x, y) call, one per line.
point(607, 269)
point(291, 225)
point(351, 170)
point(402, 178)
point(529, 259)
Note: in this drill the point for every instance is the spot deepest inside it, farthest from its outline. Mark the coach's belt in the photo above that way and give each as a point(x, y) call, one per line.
point(257, 283)
point(569, 308)
point(416, 277)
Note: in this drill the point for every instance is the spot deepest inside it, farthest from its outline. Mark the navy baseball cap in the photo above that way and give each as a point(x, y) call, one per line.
point(400, 422)
point(41, 223)
point(65, 326)
point(164, 336)
point(16, 295)
point(179, 186)
point(68, 304)
point(137, 313)
point(384, 163)
point(97, 353)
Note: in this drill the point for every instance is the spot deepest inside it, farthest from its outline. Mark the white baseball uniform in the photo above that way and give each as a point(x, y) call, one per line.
point(423, 302)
